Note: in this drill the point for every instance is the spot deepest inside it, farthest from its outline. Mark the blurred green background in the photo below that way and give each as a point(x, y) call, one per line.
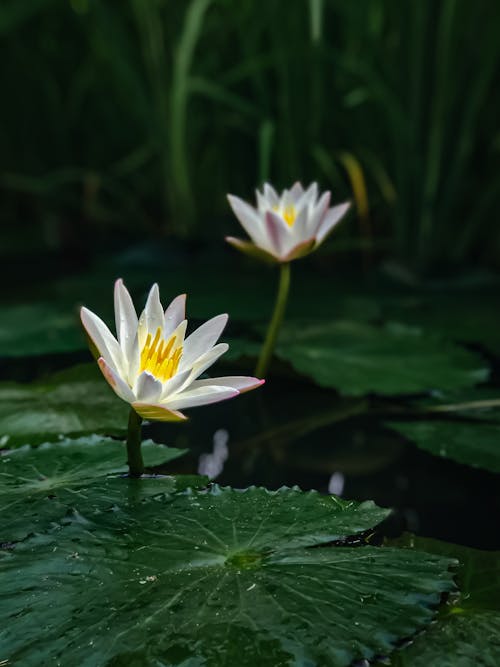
point(128, 119)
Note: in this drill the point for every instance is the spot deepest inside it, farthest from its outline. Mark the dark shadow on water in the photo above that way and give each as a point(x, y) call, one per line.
point(316, 440)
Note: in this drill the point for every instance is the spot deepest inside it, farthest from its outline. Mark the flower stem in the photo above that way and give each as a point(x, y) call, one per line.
point(274, 325)
point(134, 454)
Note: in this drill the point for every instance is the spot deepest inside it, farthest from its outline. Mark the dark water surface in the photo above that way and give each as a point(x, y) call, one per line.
point(295, 434)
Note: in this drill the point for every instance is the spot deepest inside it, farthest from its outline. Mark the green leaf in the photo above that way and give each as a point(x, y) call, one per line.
point(474, 442)
point(73, 402)
point(216, 578)
point(467, 633)
point(39, 328)
point(357, 358)
point(37, 486)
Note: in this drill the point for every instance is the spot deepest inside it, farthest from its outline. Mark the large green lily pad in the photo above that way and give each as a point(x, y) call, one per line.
point(217, 578)
point(358, 358)
point(38, 485)
point(72, 402)
point(467, 633)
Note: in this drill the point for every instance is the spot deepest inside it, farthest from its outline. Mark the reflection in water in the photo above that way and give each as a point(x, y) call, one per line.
point(336, 483)
point(212, 464)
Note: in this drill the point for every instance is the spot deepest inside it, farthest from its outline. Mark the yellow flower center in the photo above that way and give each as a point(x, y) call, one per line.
point(288, 214)
point(159, 357)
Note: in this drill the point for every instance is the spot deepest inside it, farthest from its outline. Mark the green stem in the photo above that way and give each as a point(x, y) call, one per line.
point(275, 323)
point(134, 454)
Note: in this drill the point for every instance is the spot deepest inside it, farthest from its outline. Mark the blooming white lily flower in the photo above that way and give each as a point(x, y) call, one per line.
point(151, 364)
point(287, 226)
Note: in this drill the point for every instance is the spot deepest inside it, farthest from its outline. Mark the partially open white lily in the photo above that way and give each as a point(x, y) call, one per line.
point(151, 364)
point(287, 226)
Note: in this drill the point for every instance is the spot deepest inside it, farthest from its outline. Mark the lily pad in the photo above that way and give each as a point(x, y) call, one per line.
point(73, 402)
point(474, 442)
point(39, 328)
point(216, 578)
point(358, 358)
point(37, 486)
point(467, 632)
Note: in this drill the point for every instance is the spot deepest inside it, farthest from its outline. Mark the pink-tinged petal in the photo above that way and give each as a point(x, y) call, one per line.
point(250, 249)
point(300, 250)
point(250, 220)
point(201, 396)
point(125, 318)
point(120, 387)
point(318, 214)
point(147, 388)
point(174, 315)
point(156, 412)
point(202, 340)
point(271, 195)
point(332, 217)
point(239, 382)
point(103, 339)
point(296, 191)
point(278, 232)
point(205, 361)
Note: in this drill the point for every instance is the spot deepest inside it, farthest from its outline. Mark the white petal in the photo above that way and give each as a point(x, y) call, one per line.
point(271, 195)
point(152, 316)
point(309, 197)
point(333, 216)
point(296, 191)
point(125, 318)
point(120, 387)
point(200, 396)
point(239, 382)
point(250, 220)
point(262, 203)
point(299, 228)
point(103, 339)
point(174, 315)
point(205, 361)
point(202, 340)
point(147, 388)
point(318, 214)
point(176, 384)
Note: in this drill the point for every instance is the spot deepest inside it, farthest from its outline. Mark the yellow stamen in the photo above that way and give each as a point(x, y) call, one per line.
point(288, 214)
point(159, 357)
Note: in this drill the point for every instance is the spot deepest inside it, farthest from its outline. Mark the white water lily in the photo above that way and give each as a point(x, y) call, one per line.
point(287, 226)
point(152, 365)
